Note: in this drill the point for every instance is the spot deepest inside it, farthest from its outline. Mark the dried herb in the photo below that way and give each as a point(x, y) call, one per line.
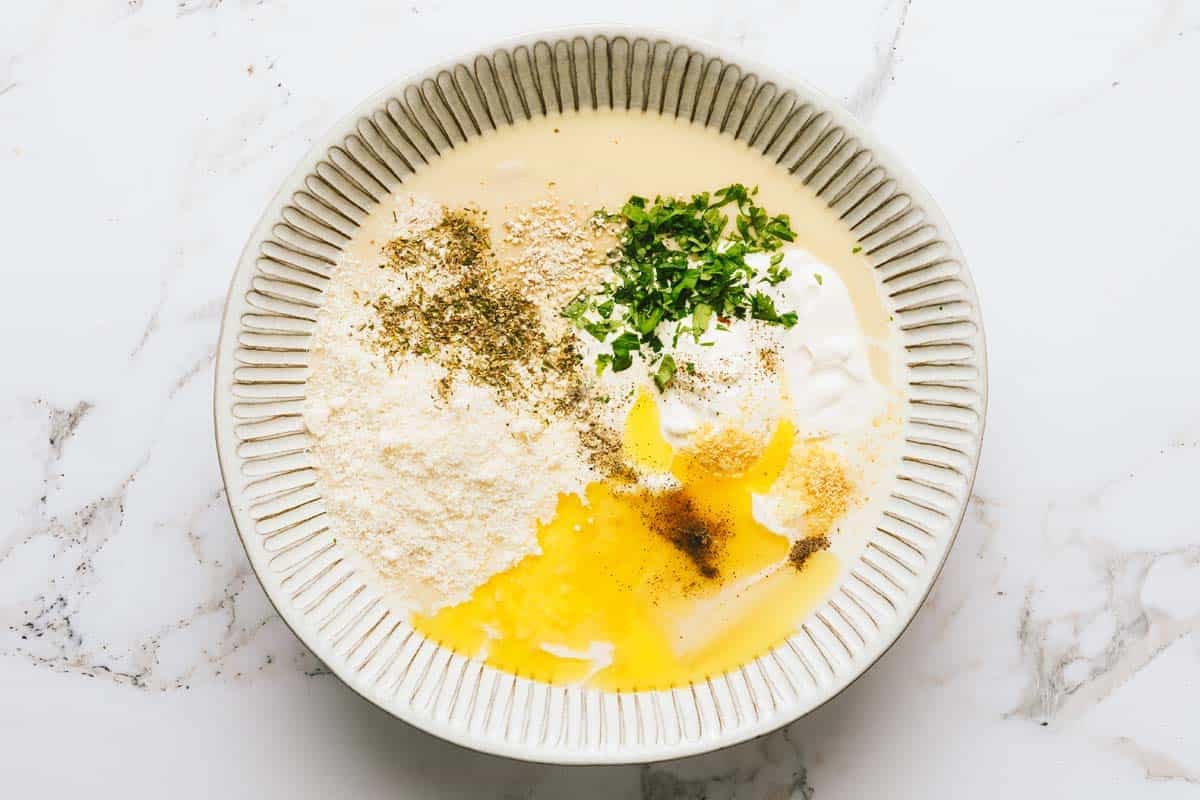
point(458, 241)
point(474, 325)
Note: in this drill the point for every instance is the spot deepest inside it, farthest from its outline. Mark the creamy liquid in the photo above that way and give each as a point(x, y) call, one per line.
point(597, 160)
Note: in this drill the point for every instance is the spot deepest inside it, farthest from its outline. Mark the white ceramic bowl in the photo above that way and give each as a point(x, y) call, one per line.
point(262, 366)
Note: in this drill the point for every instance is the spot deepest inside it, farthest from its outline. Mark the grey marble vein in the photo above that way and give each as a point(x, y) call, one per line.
point(1156, 765)
point(865, 98)
point(1066, 676)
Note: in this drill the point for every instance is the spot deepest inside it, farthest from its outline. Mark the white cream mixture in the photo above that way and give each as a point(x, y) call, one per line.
point(438, 497)
point(823, 384)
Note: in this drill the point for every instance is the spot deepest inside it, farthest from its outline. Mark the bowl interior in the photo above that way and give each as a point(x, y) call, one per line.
point(262, 365)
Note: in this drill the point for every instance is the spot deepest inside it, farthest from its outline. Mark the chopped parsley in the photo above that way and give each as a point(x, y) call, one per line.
point(676, 263)
point(665, 372)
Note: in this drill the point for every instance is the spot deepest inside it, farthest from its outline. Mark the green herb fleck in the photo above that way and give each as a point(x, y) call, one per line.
point(665, 372)
point(678, 262)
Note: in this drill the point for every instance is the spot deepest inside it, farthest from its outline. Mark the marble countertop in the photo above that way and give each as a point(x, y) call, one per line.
point(1058, 655)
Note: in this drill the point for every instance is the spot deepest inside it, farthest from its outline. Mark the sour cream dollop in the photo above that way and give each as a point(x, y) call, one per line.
point(820, 376)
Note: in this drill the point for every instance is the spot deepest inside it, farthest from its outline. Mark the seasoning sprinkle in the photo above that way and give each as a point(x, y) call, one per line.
point(457, 242)
point(675, 517)
point(804, 549)
point(478, 316)
point(467, 321)
point(817, 476)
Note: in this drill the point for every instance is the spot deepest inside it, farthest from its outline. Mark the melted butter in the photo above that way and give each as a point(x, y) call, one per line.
point(606, 575)
point(643, 440)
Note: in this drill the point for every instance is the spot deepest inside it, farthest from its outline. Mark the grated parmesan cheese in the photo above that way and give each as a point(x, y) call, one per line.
point(434, 518)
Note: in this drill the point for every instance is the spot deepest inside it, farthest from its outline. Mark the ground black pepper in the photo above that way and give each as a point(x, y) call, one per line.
point(675, 517)
point(803, 549)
